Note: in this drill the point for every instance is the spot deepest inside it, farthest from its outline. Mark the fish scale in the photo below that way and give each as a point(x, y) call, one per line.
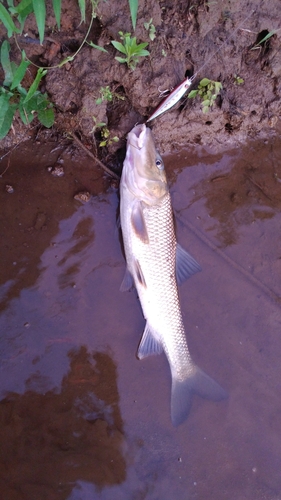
point(158, 264)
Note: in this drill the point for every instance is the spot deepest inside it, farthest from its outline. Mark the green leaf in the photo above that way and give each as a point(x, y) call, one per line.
point(204, 82)
point(34, 86)
point(6, 63)
point(20, 72)
point(57, 11)
point(7, 111)
point(142, 53)
point(46, 117)
point(97, 47)
point(82, 7)
point(141, 46)
point(206, 103)
point(7, 21)
point(205, 109)
point(133, 10)
point(39, 8)
point(21, 7)
point(121, 59)
point(192, 93)
point(218, 87)
point(119, 47)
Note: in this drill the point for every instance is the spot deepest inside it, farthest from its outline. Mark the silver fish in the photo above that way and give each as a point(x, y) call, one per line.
point(156, 264)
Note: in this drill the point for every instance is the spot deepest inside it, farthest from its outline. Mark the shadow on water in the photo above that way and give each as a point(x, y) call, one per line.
point(81, 417)
point(49, 441)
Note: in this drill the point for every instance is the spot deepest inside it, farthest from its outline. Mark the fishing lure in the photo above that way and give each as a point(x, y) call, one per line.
point(172, 98)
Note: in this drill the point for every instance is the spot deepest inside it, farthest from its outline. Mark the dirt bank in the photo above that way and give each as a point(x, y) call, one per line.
point(212, 39)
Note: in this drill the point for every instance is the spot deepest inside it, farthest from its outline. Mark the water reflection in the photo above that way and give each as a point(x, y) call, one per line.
point(65, 321)
point(49, 441)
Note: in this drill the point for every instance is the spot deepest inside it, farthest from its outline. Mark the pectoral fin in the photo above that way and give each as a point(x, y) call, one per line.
point(149, 345)
point(127, 282)
point(186, 265)
point(138, 223)
point(139, 274)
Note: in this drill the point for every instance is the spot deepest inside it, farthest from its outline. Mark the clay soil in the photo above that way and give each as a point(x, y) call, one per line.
point(217, 40)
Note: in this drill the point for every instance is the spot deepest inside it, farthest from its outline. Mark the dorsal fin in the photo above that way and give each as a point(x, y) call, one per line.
point(186, 265)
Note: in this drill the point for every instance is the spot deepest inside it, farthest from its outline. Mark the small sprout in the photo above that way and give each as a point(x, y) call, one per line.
point(164, 53)
point(108, 95)
point(107, 140)
point(151, 29)
point(238, 80)
point(105, 133)
point(208, 90)
point(130, 49)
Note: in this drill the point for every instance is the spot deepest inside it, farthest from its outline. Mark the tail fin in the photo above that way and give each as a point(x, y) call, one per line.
point(197, 383)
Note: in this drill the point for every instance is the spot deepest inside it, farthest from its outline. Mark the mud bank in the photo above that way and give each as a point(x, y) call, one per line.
point(216, 40)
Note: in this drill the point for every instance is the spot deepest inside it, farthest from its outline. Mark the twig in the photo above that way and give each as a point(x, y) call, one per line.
point(259, 187)
point(104, 167)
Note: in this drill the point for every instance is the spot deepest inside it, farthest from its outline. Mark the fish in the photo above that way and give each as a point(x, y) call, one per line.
point(172, 98)
point(156, 265)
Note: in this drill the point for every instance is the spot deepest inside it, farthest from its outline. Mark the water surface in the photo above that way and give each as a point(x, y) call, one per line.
point(81, 417)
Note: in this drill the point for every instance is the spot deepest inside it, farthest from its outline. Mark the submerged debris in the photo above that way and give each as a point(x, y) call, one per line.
point(82, 196)
point(9, 189)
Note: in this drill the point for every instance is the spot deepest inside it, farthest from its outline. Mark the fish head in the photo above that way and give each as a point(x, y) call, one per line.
point(143, 171)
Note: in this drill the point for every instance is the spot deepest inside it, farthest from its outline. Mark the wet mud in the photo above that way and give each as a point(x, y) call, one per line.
point(81, 417)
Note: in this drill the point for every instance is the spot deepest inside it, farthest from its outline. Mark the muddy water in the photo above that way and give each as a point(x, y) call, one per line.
point(81, 417)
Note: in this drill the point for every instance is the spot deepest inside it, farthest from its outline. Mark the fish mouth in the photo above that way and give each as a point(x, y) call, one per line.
point(137, 136)
point(138, 129)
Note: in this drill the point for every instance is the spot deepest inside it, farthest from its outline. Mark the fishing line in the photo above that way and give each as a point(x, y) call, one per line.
point(224, 43)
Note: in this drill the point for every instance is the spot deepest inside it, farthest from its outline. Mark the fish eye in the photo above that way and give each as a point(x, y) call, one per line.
point(159, 164)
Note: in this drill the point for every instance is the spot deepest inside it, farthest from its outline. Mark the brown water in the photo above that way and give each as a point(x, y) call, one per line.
point(81, 417)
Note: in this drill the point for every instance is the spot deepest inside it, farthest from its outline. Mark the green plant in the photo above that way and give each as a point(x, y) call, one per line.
point(107, 140)
point(151, 29)
point(208, 90)
point(130, 49)
point(238, 80)
point(108, 95)
point(105, 133)
point(13, 96)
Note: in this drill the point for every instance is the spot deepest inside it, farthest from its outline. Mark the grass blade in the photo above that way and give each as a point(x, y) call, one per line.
point(6, 63)
point(133, 10)
point(20, 72)
point(39, 8)
point(7, 21)
point(82, 7)
point(7, 112)
point(34, 86)
point(57, 11)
